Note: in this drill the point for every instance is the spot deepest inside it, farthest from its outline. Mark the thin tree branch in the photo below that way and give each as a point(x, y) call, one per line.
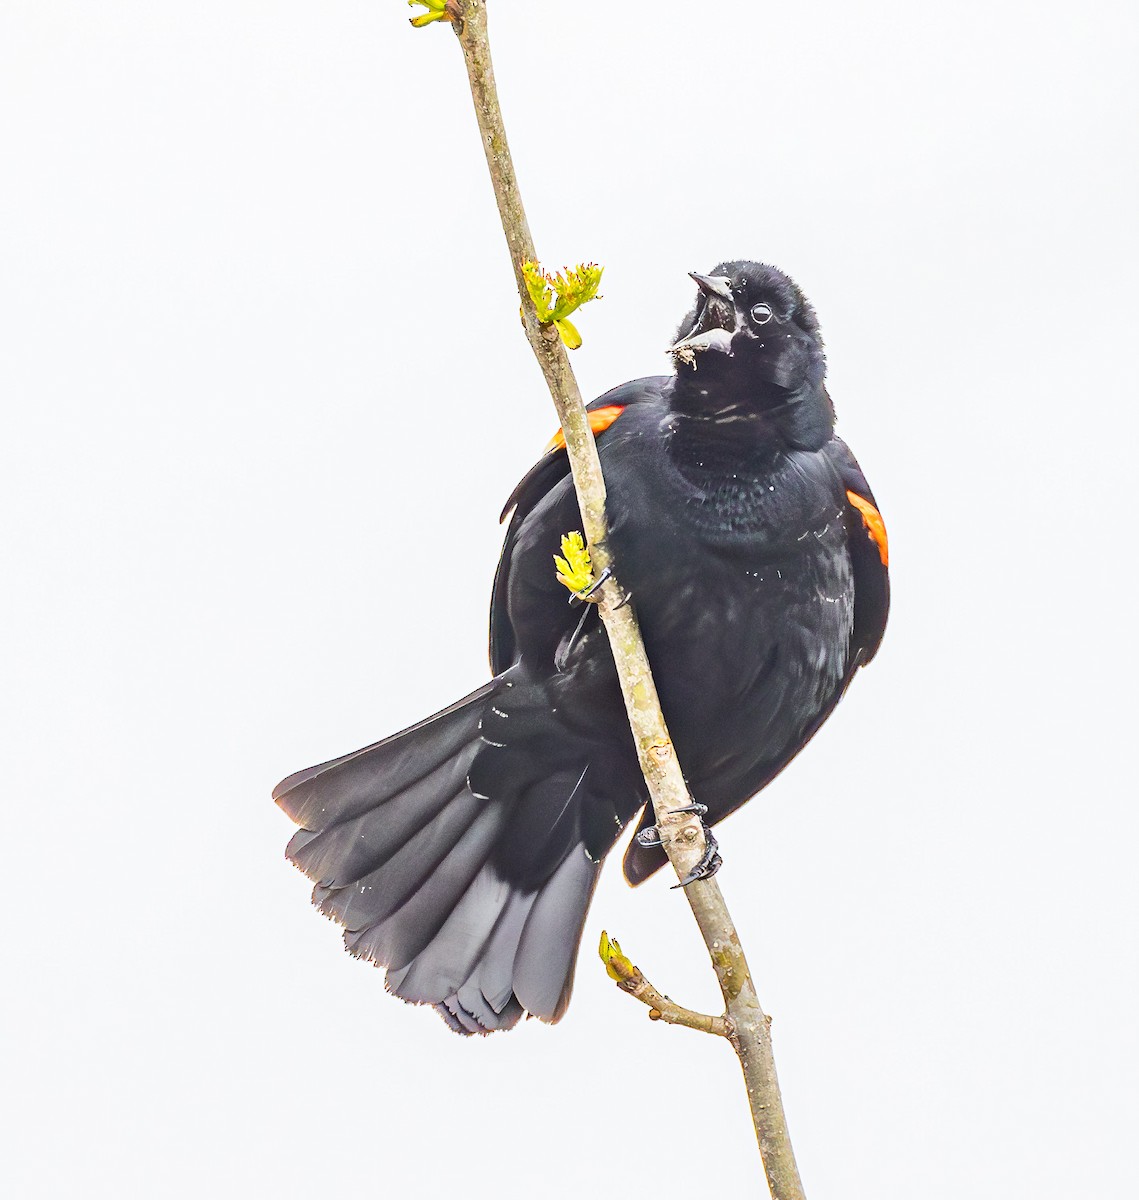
point(681, 834)
point(630, 978)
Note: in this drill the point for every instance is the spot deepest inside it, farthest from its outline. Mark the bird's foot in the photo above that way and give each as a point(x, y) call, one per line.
point(588, 594)
point(710, 862)
point(651, 836)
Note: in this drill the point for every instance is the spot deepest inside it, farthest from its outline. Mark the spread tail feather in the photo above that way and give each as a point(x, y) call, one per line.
point(403, 855)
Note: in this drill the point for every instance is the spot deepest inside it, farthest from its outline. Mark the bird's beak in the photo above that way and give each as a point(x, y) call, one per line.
point(714, 285)
point(713, 339)
point(719, 313)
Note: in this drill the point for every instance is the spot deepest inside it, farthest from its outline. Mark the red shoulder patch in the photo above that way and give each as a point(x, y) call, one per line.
point(875, 526)
point(599, 420)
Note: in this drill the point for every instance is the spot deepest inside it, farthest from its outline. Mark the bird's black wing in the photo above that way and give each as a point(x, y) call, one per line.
point(866, 537)
point(542, 478)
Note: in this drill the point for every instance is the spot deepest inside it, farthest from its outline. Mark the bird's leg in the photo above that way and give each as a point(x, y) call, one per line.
point(709, 863)
point(562, 657)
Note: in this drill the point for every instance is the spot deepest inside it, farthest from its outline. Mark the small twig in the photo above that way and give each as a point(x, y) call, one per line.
point(629, 978)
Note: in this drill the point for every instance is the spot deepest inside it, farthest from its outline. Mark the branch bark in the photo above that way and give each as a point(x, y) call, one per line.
point(746, 1024)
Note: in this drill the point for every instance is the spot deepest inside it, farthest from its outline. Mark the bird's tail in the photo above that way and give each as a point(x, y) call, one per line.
point(409, 860)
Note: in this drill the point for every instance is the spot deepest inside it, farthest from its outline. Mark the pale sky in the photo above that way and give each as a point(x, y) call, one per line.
point(265, 392)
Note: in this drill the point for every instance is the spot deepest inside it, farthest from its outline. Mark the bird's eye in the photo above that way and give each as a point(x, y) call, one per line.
point(761, 313)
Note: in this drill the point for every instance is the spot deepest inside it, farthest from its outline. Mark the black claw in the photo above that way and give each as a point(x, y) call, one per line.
point(701, 810)
point(649, 837)
point(622, 603)
point(588, 593)
point(709, 863)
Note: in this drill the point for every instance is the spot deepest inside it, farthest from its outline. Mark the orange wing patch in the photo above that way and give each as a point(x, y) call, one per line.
point(599, 420)
point(875, 526)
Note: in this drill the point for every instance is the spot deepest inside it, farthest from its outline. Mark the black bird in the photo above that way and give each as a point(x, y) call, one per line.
point(463, 852)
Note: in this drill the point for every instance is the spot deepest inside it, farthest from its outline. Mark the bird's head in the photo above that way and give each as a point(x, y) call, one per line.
point(751, 344)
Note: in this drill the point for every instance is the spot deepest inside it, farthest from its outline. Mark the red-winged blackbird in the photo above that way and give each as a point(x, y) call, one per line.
point(463, 852)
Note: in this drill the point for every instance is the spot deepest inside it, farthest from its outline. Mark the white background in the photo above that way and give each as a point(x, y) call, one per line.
point(264, 393)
